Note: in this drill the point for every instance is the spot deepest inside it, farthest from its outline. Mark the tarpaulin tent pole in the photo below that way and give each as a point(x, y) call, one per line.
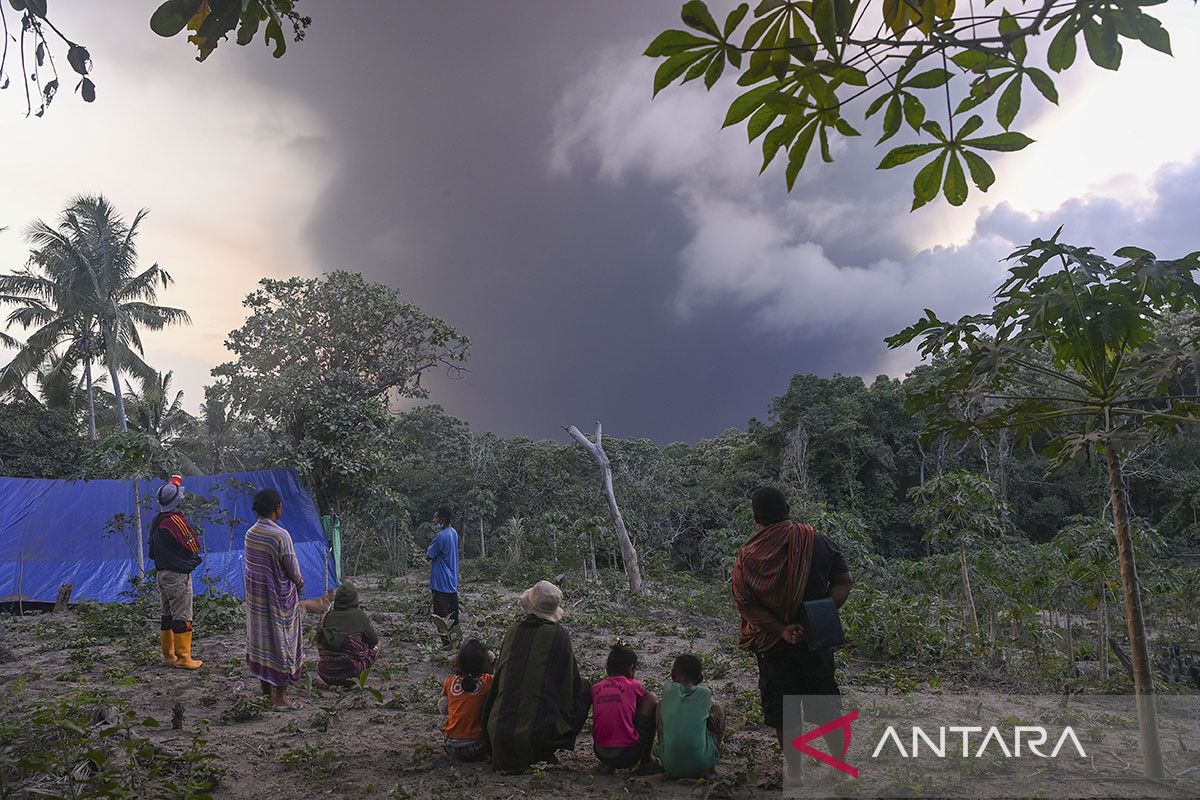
point(333, 527)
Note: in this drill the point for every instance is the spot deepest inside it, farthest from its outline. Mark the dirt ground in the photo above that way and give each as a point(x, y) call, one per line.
point(349, 744)
point(386, 743)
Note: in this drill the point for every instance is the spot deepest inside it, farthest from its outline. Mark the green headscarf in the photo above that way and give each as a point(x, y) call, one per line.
point(345, 619)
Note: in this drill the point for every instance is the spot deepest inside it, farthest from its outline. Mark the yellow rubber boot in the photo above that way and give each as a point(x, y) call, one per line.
point(183, 651)
point(168, 647)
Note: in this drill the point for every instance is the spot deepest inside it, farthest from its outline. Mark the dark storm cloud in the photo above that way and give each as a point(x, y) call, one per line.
point(611, 258)
point(443, 116)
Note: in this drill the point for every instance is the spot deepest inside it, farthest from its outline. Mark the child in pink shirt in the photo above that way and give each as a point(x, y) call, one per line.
point(623, 715)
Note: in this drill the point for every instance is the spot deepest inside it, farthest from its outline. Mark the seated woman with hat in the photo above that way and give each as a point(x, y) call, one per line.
point(525, 727)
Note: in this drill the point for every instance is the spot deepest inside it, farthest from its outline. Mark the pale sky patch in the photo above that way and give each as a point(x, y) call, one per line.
point(229, 171)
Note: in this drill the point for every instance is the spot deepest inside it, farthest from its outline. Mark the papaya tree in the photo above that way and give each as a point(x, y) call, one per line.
point(1107, 386)
point(959, 508)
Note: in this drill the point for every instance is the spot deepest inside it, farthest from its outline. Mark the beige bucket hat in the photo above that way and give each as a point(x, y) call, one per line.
point(544, 600)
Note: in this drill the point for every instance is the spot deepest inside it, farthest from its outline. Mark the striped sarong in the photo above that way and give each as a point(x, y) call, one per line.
point(274, 653)
point(342, 667)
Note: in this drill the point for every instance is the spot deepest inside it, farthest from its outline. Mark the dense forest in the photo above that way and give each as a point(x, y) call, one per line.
point(849, 454)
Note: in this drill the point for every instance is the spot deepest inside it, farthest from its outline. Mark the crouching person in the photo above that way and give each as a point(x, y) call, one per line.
point(462, 699)
point(174, 550)
point(623, 715)
point(690, 724)
point(346, 639)
point(538, 702)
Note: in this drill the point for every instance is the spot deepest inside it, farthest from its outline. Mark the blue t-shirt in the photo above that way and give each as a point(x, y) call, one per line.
point(443, 572)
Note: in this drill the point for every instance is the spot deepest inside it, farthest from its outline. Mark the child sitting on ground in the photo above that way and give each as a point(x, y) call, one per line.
point(690, 724)
point(462, 699)
point(346, 639)
point(623, 715)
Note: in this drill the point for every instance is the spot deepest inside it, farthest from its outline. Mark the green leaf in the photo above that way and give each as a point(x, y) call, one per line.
point(975, 61)
point(1132, 252)
point(906, 153)
point(914, 112)
point(79, 59)
point(876, 104)
point(981, 172)
point(1010, 29)
point(930, 79)
point(755, 32)
point(798, 153)
point(824, 18)
point(891, 120)
point(36, 7)
point(695, 14)
point(173, 16)
point(673, 67)
point(1002, 142)
point(928, 181)
point(1062, 49)
point(1043, 83)
point(668, 43)
point(826, 155)
point(759, 122)
point(778, 137)
point(845, 128)
point(251, 19)
point(700, 67)
point(849, 75)
point(782, 103)
point(746, 103)
point(713, 73)
point(734, 19)
point(974, 123)
point(934, 129)
point(955, 186)
point(1149, 31)
point(1010, 103)
point(845, 16)
point(274, 33)
point(1103, 46)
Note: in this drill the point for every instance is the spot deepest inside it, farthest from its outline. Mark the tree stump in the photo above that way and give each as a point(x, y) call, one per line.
point(64, 597)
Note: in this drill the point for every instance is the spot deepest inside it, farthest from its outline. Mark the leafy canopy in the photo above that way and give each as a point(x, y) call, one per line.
point(210, 21)
point(810, 66)
point(315, 365)
point(1074, 345)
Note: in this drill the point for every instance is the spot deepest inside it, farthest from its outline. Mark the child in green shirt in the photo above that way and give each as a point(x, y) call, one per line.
point(690, 724)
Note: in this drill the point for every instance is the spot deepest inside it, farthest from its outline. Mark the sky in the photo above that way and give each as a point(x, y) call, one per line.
point(611, 258)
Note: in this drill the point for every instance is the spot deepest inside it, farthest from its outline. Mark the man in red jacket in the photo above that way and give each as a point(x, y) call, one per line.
point(174, 549)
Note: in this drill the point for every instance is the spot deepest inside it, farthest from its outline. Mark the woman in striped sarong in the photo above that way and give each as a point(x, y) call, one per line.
point(273, 584)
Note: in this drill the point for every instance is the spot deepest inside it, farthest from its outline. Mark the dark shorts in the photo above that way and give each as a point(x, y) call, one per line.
point(629, 757)
point(476, 750)
point(793, 669)
point(445, 604)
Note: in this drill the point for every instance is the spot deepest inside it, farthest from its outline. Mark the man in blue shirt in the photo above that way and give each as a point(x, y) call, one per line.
point(443, 576)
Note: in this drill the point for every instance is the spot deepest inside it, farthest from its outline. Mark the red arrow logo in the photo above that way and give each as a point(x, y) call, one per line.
point(843, 722)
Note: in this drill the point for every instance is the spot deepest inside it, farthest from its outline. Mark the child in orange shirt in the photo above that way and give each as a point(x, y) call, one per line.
point(462, 699)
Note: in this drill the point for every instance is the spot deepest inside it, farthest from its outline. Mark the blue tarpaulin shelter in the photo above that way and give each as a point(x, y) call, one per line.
point(56, 532)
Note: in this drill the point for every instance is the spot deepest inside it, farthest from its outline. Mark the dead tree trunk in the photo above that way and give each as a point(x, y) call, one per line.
point(628, 553)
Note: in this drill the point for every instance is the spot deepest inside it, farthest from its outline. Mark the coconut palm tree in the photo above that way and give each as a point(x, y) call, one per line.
point(155, 410)
point(85, 292)
point(48, 297)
